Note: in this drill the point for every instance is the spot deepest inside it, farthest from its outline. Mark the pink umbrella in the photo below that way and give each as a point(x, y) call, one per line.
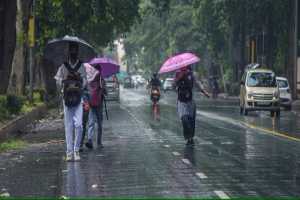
point(179, 61)
point(108, 66)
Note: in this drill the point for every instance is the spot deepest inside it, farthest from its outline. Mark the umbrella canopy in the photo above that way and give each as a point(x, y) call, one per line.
point(57, 50)
point(179, 61)
point(91, 72)
point(108, 66)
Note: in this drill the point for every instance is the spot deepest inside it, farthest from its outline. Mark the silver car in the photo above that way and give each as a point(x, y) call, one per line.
point(285, 93)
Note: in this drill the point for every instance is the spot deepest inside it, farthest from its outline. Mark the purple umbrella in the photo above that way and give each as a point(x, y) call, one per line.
point(108, 66)
point(178, 61)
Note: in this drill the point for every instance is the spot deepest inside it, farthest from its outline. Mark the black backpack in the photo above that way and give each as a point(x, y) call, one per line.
point(72, 86)
point(185, 88)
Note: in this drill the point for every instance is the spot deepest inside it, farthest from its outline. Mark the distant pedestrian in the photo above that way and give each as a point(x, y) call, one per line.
point(71, 76)
point(185, 81)
point(97, 92)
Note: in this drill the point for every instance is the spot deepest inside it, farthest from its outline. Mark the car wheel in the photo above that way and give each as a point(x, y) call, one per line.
point(288, 108)
point(278, 113)
point(245, 111)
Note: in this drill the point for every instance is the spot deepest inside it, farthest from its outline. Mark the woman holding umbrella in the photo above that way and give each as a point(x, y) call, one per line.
point(185, 81)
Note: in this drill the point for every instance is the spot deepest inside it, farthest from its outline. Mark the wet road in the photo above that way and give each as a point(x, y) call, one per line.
point(234, 156)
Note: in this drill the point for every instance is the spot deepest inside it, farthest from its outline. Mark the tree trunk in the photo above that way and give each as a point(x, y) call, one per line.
point(17, 75)
point(16, 81)
point(291, 51)
point(8, 43)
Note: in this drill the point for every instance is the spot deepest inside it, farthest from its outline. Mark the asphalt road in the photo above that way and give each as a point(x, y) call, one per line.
point(143, 156)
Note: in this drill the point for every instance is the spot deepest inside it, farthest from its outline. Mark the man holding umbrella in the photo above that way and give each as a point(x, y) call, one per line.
point(185, 81)
point(71, 76)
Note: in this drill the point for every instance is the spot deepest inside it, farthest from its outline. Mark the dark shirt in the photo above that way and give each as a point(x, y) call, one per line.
point(155, 82)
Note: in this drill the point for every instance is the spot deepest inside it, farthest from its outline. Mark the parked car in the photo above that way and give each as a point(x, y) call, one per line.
point(285, 93)
point(128, 82)
point(168, 84)
point(113, 89)
point(259, 91)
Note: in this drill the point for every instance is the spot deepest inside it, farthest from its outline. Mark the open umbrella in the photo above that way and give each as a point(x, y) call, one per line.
point(178, 61)
point(57, 50)
point(108, 66)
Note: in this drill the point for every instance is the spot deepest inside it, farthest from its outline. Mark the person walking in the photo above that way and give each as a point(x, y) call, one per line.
point(71, 76)
point(186, 107)
point(97, 92)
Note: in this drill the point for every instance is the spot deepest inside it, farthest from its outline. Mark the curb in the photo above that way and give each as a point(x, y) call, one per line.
point(17, 125)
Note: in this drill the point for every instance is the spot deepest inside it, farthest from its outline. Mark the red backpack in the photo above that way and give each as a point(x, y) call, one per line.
point(96, 91)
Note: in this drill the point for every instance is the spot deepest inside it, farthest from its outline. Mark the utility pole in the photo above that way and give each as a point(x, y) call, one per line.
point(295, 48)
point(31, 41)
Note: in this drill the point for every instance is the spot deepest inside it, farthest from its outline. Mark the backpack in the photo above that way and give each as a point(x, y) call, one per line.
point(185, 88)
point(72, 88)
point(96, 91)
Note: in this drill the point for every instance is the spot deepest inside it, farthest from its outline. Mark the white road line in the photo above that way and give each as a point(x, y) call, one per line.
point(201, 175)
point(221, 194)
point(186, 161)
point(227, 143)
point(175, 153)
point(167, 146)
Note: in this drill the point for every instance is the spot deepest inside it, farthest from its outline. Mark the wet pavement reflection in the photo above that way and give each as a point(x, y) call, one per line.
point(145, 155)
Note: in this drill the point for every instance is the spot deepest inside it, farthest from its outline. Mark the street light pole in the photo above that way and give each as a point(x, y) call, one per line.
point(295, 56)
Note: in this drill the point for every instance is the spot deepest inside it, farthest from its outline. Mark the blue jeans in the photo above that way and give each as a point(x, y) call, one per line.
point(95, 116)
point(73, 121)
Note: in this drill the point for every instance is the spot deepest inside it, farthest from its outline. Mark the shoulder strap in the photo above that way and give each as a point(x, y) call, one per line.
point(69, 68)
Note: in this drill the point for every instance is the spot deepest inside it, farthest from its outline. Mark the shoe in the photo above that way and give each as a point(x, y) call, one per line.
point(188, 143)
point(80, 149)
point(89, 144)
point(100, 146)
point(69, 157)
point(192, 142)
point(76, 156)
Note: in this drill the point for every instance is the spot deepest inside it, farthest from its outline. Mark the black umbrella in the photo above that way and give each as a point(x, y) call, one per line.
point(57, 50)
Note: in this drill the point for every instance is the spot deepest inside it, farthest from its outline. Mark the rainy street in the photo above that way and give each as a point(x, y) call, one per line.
point(143, 155)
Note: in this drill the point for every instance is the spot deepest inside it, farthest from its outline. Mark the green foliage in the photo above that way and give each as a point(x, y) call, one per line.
point(12, 145)
point(217, 30)
point(97, 21)
point(14, 103)
point(3, 110)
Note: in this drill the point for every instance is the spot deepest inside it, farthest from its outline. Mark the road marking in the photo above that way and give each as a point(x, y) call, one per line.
point(167, 146)
point(175, 153)
point(245, 124)
point(227, 143)
point(201, 175)
point(272, 132)
point(186, 161)
point(221, 194)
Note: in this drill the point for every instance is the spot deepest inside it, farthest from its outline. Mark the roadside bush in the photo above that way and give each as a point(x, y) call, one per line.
point(3, 109)
point(234, 89)
point(14, 103)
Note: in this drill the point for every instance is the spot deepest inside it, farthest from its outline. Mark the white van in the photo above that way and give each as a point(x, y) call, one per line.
point(259, 91)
